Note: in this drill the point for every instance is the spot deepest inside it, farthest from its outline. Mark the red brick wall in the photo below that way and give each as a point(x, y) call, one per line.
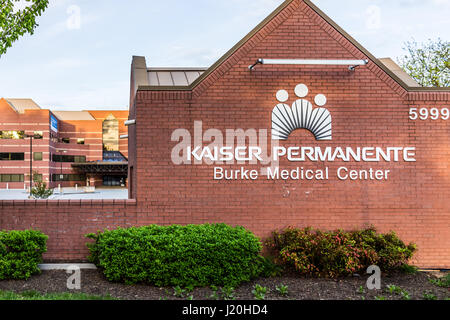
point(368, 107)
point(66, 222)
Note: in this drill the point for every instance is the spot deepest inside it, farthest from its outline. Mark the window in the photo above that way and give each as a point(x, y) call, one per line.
point(114, 181)
point(38, 135)
point(12, 135)
point(65, 158)
point(110, 134)
point(37, 156)
point(80, 159)
point(65, 140)
point(69, 177)
point(11, 177)
point(9, 156)
point(80, 141)
point(53, 137)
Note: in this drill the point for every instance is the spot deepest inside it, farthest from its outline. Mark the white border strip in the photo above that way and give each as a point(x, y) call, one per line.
point(65, 266)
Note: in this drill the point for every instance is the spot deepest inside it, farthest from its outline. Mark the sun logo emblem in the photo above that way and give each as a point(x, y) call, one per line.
point(301, 115)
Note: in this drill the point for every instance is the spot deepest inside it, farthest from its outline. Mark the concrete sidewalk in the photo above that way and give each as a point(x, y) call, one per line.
point(68, 193)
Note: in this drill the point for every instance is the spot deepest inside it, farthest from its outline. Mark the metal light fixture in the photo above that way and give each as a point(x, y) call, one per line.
point(351, 63)
point(130, 122)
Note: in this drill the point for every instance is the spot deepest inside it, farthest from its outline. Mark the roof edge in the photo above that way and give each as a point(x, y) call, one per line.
point(10, 105)
point(165, 88)
point(255, 30)
point(177, 69)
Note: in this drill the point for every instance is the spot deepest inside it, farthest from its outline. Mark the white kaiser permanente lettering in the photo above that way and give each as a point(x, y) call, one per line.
point(299, 154)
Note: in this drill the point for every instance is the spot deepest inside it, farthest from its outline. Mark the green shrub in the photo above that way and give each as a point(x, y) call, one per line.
point(259, 292)
point(443, 282)
point(193, 255)
point(20, 253)
point(336, 253)
point(34, 295)
point(40, 191)
point(269, 268)
point(408, 269)
point(428, 295)
point(282, 290)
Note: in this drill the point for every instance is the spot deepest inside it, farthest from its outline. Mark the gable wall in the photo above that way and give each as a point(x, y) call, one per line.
point(368, 109)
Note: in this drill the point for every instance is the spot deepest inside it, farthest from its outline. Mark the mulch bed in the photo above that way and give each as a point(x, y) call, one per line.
point(299, 288)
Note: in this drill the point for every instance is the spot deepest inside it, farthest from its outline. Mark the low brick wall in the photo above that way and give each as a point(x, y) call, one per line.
point(66, 222)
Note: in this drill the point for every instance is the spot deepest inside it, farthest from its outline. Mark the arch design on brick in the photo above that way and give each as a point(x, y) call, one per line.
point(301, 115)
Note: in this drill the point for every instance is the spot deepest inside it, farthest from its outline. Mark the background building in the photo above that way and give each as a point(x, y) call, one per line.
point(68, 147)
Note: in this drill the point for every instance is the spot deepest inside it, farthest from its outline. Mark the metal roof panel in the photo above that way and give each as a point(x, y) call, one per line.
point(165, 78)
point(193, 75)
point(73, 115)
point(179, 78)
point(20, 105)
point(173, 77)
point(153, 79)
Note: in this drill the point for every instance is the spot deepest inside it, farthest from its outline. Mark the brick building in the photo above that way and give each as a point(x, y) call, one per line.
point(68, 147)
point(300, 58)
point(363, 144)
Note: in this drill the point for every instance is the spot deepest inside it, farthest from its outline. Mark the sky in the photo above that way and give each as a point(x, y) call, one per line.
point(79, 56)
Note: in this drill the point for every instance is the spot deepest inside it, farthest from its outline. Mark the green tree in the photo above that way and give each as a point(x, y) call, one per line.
point(40, 191)
point(15, 23)
point(427, 63)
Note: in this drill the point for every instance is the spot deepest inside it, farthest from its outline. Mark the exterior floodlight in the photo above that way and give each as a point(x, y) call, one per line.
point(351, 63)
point(130, 122)
point(124, 136)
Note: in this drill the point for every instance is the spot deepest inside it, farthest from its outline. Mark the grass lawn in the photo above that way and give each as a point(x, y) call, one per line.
point(34, 295)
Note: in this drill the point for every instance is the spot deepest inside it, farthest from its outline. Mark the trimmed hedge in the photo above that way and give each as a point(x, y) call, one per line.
point(192, 255)
point(20, 253)
point(337, 253)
